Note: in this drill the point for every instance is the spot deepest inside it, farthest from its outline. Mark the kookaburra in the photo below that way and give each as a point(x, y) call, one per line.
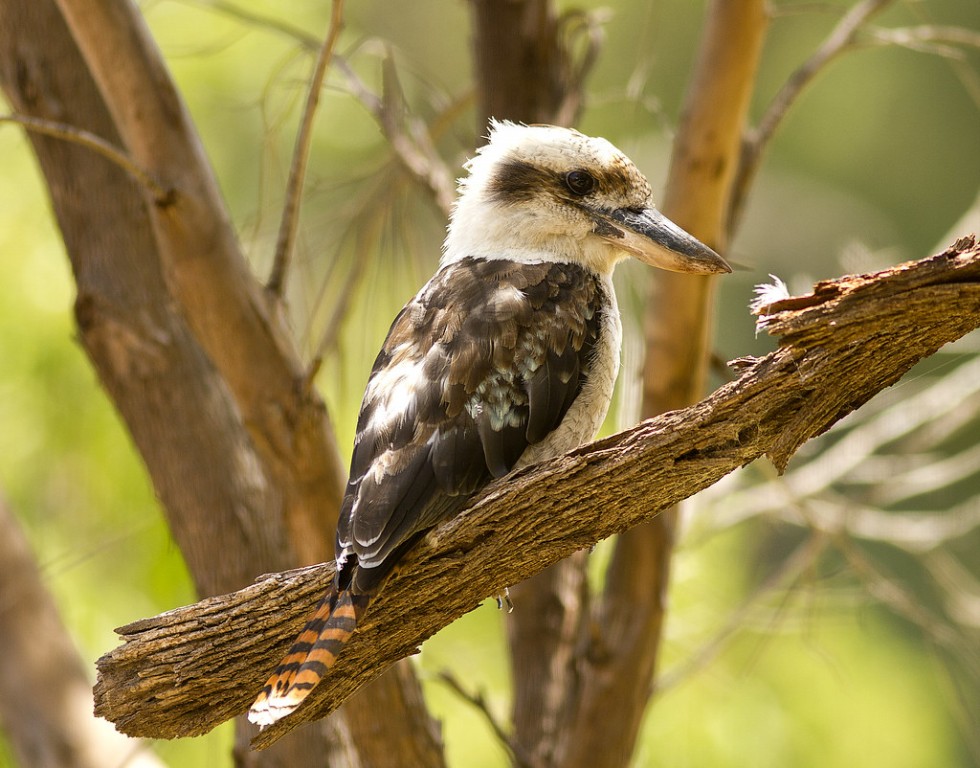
point(507, 356)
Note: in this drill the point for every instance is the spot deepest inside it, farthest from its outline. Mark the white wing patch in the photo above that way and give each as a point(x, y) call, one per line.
point(391, 392)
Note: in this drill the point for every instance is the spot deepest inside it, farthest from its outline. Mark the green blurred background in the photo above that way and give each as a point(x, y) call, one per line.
point(786, 643)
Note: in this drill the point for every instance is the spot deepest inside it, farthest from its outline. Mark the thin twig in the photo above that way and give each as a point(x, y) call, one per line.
point(408, 136)
point(931, 38)
point(365, 236)
point(478, 702)
point(259, 20)
point(887, 590)
point(87, 139)
point(301, 154)
point(840, 39)
point(574, 25)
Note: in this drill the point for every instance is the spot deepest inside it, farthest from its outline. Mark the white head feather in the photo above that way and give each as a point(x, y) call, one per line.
point(536, 222)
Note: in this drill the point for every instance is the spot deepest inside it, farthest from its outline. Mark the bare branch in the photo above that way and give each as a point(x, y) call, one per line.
point(301, 154)
point(479, 703)
point(928, 38)
point(261, 21)
point(841, 38)
point(185, 671)
point(407, 135)
point(97, 144)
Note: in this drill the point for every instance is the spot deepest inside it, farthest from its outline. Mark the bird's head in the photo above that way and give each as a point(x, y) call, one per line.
point(547, 193)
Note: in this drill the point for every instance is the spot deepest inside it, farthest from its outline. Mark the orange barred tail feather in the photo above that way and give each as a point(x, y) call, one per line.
point(308, 661)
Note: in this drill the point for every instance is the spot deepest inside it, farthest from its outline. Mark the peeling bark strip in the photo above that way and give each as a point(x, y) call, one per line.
point(187, 670)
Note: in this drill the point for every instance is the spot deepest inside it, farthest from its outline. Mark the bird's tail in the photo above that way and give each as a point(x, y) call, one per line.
point(312, 655)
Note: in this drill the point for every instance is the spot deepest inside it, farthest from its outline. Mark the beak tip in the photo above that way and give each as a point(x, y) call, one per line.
point(700, 259)
point(723, 267)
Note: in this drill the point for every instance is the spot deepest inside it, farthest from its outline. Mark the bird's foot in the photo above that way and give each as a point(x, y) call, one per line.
point(503, 600)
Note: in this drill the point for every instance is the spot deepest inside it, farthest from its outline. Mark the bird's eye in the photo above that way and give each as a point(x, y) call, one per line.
point(579, 182)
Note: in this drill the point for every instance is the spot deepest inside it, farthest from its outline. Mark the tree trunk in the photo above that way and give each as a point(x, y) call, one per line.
point(240, 453)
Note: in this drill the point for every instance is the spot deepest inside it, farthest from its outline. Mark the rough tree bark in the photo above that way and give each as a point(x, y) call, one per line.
point(185, 671)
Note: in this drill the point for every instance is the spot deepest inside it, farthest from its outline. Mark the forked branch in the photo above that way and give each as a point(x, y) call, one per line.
point(842, 38)
point(186, 671)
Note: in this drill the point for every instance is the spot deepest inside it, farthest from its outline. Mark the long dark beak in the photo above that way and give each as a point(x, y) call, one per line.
point(654, 239)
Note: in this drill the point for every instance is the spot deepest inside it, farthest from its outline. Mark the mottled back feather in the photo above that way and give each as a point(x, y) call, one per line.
point(482, 363)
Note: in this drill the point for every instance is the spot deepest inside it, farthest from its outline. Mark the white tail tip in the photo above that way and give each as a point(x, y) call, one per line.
point(268, 711)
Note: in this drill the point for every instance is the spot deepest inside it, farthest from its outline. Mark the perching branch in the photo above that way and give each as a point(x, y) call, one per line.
point(186, 671)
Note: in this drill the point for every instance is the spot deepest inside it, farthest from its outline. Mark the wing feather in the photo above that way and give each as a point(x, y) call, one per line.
point(483, 362)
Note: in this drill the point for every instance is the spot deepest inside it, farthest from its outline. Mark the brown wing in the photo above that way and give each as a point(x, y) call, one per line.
point(482, 363)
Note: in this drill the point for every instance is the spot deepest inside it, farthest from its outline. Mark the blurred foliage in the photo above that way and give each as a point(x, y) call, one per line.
point(792, 640)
